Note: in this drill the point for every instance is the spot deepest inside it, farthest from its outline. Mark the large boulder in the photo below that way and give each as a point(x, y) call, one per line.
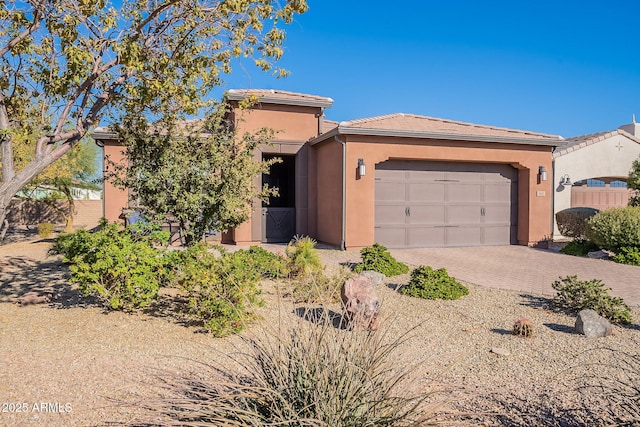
point(360, 303)
point(376, 278)
point(591, 324)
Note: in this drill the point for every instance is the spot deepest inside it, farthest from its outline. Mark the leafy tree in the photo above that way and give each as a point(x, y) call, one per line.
point(633, 183)
point(67, 65)
point(198, 173)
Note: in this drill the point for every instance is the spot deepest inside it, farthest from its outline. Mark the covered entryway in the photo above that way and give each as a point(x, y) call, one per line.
point(440, 204)
point(279, 214)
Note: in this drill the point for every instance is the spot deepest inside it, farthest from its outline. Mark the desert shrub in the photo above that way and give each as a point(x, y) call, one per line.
point(45, 230)
point(628, 255)
point(579, 248)
point(428, 283)
point(378, 258)
point(222, 289)
point(314, 375)
point(267, 263)
point(303, 257)
point(114, 266)
point(615, 228)
point(572, 222)
point(70, 245)
point(575, 295)
point(319, 287)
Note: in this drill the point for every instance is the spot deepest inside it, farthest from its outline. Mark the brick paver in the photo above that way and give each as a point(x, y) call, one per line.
point(514, 267)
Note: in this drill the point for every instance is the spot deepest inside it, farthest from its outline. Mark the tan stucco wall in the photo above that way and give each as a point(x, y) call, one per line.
point(115, 199)
point(602, 159)
point(325, 193)
point(294, 125)
point(534, 204)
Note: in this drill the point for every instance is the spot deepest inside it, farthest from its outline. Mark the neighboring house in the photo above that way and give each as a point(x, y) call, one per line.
point(401, 180)
point(592, 170)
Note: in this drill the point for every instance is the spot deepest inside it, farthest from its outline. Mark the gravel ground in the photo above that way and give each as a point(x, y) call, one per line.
point(68, 363)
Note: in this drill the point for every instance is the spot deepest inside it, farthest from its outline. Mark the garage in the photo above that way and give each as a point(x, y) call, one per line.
point(440, 204)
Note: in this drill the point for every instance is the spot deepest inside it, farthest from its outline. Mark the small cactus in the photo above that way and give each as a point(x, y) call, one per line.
point(523, 327)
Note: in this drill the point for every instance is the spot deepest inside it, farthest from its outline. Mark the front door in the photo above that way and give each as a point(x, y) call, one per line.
point(279, 213)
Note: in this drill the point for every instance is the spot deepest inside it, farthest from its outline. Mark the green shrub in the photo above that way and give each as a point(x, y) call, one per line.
point(70, 245)
point(314, 375)
point(572, 222)
point(575, 295)
point(428, 283)
point(302, 257)
point(579, 248)
point(45, 230)
point(378, 258)
point(222, 290)
point(267, 263)
point(615, 228)
point(628, 255)
point(113, 266)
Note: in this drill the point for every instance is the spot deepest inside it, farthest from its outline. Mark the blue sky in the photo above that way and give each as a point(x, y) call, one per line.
point(563, 67)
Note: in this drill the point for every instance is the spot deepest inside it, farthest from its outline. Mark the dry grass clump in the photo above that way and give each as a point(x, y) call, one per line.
point(312, 375)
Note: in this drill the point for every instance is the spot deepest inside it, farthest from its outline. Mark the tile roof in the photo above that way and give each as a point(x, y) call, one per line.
point(400, 121)
point(273, 96)
point(577, 142)
point(329, 125)
point(411, 125)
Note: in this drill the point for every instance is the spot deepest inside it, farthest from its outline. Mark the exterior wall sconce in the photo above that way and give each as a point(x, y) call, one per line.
point(362, 168)
point(565, 181)
point(542, 172)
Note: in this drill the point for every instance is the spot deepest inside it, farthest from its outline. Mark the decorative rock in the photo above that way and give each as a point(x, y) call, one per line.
point(376, 278)
point(598, 254)
point(591, 324)
point(500, 351)
point(360, 303)
point(31, 298)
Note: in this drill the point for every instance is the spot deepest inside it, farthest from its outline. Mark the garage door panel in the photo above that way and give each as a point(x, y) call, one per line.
point(459, 192)
point(497, 192)
point(419, 191)
point(391, 237)
point(390, 191)
point(390, 214)
point(445, 204)
point(426, 237)
point(426, 214)
point(496, 235)
point(463, 236)
point(497, 214)
point(463, 213)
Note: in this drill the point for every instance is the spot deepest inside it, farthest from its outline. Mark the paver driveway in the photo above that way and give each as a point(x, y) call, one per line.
point(515, 267)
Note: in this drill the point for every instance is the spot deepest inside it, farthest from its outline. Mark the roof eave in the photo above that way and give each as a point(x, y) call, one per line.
point(346, 130)
point(103, 134)
point(282, 101)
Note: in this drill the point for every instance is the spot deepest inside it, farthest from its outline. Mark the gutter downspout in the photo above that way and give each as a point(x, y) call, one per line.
point(344, 192)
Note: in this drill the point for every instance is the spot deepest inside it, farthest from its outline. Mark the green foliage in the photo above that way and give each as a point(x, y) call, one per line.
point(633, 183)
point(615, 228)
point(67, 65)
point(428, 283)
point(222, 290)
point(302, 257)
point(575, 295)
point(200, 174)
point(117, 267)
point(628, 255)
point(309, 376)
point(579, 247)
point(572, 222)
point(378, 258)
point(45, 230)
point(268, 264)
point(71, 245)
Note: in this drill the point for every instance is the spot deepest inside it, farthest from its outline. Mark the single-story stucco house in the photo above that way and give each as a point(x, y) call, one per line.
point(401, 180)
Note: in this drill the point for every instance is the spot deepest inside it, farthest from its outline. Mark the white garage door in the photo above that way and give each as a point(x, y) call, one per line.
point(439, 204)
